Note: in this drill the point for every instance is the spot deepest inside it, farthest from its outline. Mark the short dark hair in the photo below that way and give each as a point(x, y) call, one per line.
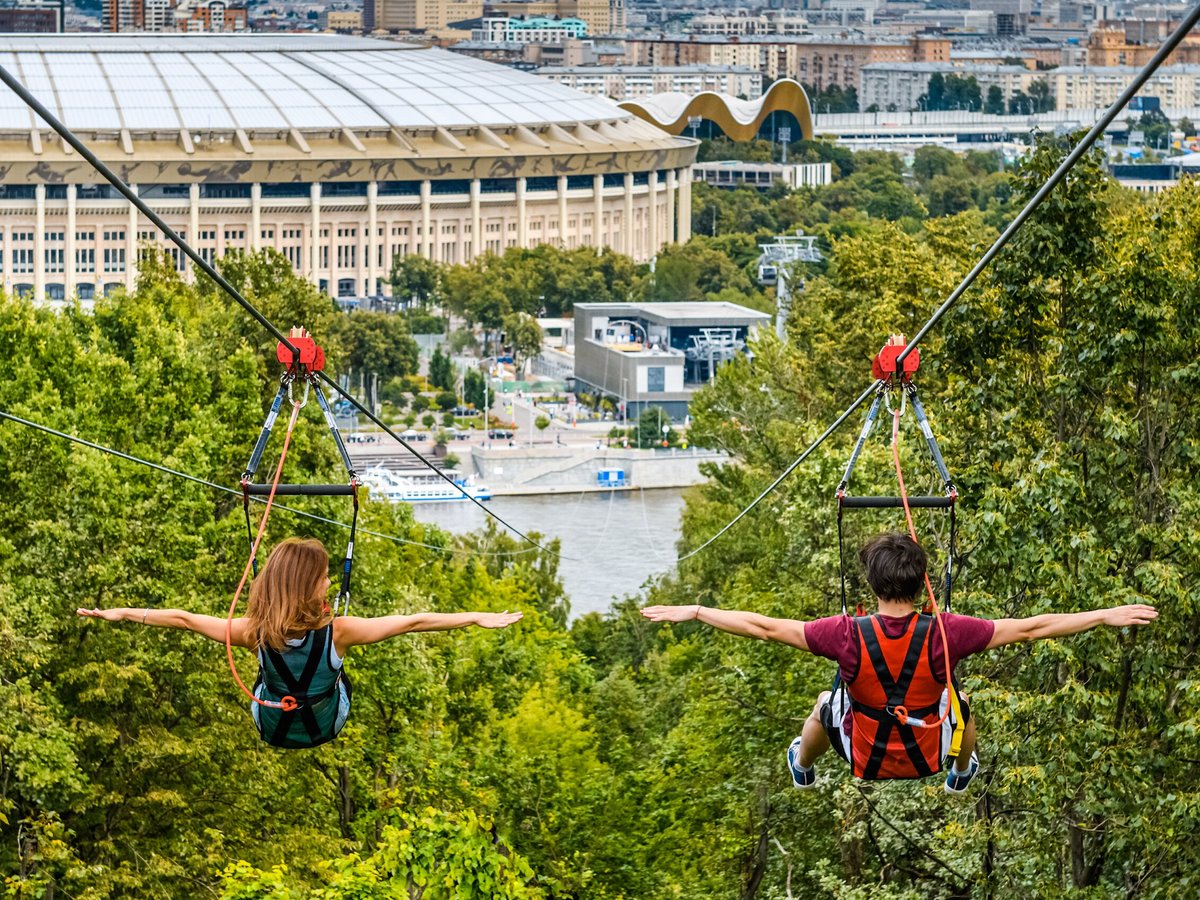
point(895, 565)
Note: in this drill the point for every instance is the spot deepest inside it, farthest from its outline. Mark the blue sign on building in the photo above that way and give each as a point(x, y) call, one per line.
point(611, 478)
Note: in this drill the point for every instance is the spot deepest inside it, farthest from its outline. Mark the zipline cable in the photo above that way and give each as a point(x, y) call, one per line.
point(228, 490)
point(82, 149)
point(788, 471)
point(1168, 47)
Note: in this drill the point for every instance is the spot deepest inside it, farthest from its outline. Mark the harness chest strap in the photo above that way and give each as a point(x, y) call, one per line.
point(895, 723)
point(298, 687)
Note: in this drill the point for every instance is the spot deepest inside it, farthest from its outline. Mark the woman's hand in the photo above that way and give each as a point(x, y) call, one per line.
point(108, 615)
point(671, 613)
point(498, 620)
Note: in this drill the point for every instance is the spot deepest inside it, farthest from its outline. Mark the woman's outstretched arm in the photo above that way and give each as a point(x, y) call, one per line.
point(350, 631)
point(212, 627)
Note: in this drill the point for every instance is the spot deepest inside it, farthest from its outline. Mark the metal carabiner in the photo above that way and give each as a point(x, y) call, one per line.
point(304, 399)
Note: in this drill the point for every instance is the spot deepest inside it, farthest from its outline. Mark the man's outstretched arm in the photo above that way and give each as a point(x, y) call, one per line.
point(746, 624)
point(1051, 625)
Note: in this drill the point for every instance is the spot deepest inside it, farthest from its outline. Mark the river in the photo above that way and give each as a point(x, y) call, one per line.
point(612, 542)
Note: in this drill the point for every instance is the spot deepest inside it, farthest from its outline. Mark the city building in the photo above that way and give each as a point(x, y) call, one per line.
point(738, 119)
point(535, 30)
point(746, 24)
point(730, 173)
point(891, 87)
point(627, 82)
point(1096, 87)
point(341, 153)
point(815, 60)
point(342, 21)
point(30, 16)
point(601, 16)
point(1109, 47)
point(426, 16)
point(190, 16)
point(657, 354)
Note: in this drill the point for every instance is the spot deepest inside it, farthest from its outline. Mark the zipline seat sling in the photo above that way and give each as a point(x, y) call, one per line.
point(895, 692)
point(301, 686)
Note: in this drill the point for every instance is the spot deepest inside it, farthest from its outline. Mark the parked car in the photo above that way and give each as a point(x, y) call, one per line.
point(497, 434)
point(465, 411)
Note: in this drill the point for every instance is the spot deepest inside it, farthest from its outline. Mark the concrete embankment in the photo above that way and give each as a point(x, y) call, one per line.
point(571, 469)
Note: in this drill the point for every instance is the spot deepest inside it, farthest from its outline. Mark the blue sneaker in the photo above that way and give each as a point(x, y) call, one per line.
point(803, 778)
point(958, 782)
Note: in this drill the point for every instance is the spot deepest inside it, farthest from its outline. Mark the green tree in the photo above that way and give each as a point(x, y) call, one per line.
point(416, 279)
point(994, 105)
point(441, 370)
point(524, 336)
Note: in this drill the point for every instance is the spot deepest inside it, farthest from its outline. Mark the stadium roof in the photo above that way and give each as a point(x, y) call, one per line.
point(137, 83)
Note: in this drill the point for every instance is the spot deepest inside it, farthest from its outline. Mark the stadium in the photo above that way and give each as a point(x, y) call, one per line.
point(341, 153)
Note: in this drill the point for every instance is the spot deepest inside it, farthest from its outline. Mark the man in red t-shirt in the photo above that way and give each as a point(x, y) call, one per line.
point(895, 567)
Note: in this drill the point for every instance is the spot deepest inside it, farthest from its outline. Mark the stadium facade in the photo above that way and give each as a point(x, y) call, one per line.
point(341, 153)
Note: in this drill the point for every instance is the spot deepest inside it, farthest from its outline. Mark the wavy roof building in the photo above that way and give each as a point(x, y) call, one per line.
point(740, 120)
point(342, 153)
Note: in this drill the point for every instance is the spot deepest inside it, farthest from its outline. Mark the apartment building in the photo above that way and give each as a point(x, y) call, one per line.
point(898, 86)
point(815, 60)
point(1097, 87)
point(631, 82)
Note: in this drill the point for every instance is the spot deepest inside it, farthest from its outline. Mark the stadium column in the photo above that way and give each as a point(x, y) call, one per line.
point(256, 217)
point(522, 219)
point(372, 238)
point(598, 211)
point(314, 239)
point(426, 242)
point(131, 244)
point(477, 242)
point(562, 211)
point(69, 258)
point(670, 206)
point(39, 244)
point(652, 213)
point(685, 205)
point(193, 232)
point(627, 219)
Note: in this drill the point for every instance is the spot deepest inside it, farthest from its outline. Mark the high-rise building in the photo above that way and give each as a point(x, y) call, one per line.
point(30, 16)
point(432, 16)
point(219, 16)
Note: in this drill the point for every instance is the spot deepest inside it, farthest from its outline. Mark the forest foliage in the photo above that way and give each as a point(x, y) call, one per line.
point(607, 758)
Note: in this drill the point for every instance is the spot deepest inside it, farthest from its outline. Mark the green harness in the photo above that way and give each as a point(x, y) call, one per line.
point(306, 673)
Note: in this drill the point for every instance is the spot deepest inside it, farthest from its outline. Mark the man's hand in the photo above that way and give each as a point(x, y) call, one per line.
point(1133, 614)
point(499, 620)
point(671, 613)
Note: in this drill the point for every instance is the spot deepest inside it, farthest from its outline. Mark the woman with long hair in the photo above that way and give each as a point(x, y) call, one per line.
point(302, 693)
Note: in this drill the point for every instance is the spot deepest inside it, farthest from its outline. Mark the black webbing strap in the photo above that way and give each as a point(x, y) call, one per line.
point(930, 440)
point(298, 687)
point(265, 435)
point(252, 466)
point(342, 604)
point(868, 424)
point(895, 690)
point(333, 429)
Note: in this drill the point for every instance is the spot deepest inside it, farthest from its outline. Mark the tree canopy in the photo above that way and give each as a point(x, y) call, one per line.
point(607, 758)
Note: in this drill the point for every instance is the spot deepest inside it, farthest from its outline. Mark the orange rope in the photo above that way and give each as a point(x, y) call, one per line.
point(287, 703)
point(901, 712)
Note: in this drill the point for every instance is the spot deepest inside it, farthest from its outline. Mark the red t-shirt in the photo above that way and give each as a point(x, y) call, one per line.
point(835, 638)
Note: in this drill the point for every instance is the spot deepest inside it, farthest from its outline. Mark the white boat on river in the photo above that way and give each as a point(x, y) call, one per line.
point(421, 487)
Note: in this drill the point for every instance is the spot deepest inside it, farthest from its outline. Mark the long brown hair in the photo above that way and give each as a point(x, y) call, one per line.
point(288, 596)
